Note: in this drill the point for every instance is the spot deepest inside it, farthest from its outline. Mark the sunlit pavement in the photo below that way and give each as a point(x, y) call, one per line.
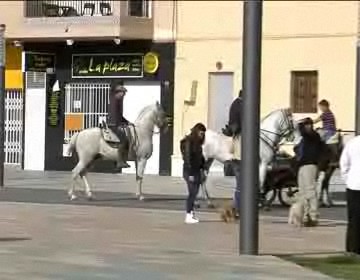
point(44, 236)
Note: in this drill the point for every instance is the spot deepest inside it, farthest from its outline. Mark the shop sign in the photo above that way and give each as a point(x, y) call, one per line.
point(107, 65)
point(151, 62)
point(40, 62)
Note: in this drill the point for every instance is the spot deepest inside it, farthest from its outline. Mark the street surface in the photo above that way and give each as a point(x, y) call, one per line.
point(45, 236)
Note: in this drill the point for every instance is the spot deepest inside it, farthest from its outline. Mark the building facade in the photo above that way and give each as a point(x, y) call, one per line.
point(81, 48)
point(308, 53)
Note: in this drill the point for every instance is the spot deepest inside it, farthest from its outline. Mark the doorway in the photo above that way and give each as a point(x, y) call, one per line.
point(221, 95)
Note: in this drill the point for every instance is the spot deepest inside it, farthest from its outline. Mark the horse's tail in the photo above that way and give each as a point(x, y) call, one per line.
point(72, 143)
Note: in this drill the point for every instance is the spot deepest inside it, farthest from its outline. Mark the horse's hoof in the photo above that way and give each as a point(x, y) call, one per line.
point(72, 197)
point(140, 197)
point(90, 196)
point(266, 208)
point(224, 217)
point(211, 206)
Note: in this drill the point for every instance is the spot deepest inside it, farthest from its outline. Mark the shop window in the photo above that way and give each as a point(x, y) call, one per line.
point(304, 91)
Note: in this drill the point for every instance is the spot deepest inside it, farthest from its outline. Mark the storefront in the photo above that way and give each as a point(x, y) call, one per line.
point(84, 73)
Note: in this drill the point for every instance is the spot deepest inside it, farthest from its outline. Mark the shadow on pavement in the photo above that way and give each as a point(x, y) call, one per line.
point(12, 239)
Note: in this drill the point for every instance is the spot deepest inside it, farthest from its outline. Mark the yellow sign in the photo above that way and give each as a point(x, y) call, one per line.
point(151, 62)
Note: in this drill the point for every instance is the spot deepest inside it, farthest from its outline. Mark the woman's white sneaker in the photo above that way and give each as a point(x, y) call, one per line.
point(190, 219)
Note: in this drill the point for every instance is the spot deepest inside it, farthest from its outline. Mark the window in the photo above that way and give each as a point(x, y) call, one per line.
point(304, 91)
point(140, 8)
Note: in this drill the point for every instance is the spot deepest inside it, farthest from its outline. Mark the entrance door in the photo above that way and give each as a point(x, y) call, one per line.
point(221, 95)
point(35, 115)
point(139, 95)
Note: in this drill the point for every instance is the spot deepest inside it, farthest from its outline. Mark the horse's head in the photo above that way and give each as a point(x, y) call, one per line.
point(286, 125)
point(160, 118)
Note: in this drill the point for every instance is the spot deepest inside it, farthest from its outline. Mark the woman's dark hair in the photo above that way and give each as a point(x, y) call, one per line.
point(324, 102)
point(198, 127)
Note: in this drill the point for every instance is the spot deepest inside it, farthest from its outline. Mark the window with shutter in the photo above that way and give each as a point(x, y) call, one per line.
point(304, 91)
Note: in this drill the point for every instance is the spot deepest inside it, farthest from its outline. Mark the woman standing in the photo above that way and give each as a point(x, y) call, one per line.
point(350, 170)
point(191, 149)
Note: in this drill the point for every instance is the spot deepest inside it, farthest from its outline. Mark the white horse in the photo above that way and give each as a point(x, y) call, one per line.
point(90, 145)
point(274, 127)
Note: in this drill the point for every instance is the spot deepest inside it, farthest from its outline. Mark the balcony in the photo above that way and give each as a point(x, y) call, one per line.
point(51, 8)
point(79, 19)
point(35, 9)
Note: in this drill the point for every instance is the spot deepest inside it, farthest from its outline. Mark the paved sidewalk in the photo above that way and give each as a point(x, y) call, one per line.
point(85, 242)
point(64, 241)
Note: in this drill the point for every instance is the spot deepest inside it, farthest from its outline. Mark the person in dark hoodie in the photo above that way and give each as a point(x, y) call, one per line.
point(235, 115)
point(118, 123)
point(309, 152)
point(194, 163)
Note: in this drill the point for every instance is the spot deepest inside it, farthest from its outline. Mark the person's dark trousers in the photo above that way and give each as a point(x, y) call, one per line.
point(353, 227)
point(193, 189)
point(236, 164)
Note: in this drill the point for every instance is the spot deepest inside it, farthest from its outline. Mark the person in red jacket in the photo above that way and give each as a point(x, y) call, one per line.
point(118, 123)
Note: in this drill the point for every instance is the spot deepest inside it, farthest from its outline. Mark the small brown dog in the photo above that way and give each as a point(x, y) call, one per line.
point(296, 214)
point(228, 213)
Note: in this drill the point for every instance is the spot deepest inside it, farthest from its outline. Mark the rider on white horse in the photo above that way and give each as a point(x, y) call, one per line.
point(118, 123)
point(234, 129)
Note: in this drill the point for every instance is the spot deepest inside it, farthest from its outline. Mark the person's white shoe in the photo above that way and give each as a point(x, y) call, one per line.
point(189, 219)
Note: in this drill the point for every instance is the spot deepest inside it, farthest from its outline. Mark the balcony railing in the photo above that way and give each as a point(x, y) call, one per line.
point(77, 8)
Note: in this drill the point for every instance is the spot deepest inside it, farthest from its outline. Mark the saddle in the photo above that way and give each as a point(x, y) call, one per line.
point(109, 135)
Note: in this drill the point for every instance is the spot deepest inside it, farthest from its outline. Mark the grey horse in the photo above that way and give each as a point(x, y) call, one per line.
point(90, 145)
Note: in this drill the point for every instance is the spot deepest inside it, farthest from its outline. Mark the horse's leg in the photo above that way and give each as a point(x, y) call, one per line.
point(75, 174)
point(325, 187)
point(140, 169)
point(88, 191)
point(262, 175)
point(320, 186)
point(205, 193)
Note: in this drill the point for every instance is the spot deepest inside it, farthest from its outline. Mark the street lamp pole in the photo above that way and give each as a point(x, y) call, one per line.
point(357, 96)
point(2, 102)
point(249, 220)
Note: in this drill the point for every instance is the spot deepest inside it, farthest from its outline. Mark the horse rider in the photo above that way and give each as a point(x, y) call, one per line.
point(118, 123)
point(234, 125)
point(234, 129)
point(193, 167)
point(327, 118)
point(308, 153)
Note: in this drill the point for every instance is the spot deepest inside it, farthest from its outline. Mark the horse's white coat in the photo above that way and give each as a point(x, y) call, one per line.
point(89, 143)
point(273, 128)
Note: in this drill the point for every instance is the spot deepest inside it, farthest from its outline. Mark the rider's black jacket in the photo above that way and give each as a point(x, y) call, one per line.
point(116, 116)
point(235, 116)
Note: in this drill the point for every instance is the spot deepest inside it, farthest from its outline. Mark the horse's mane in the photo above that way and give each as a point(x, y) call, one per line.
point(144, 111)
point(271, 113)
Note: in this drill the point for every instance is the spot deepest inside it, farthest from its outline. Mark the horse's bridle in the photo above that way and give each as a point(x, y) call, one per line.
point(289, 127)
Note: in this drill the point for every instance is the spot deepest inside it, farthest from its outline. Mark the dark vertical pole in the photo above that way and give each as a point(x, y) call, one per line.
point(2, 102)
point(249, 224)
point(357, 97)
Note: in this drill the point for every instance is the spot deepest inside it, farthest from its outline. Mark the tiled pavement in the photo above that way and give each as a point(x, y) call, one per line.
point(59, 241)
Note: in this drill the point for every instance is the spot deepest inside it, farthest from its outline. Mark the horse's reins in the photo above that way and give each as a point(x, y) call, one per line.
point(266, 139)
